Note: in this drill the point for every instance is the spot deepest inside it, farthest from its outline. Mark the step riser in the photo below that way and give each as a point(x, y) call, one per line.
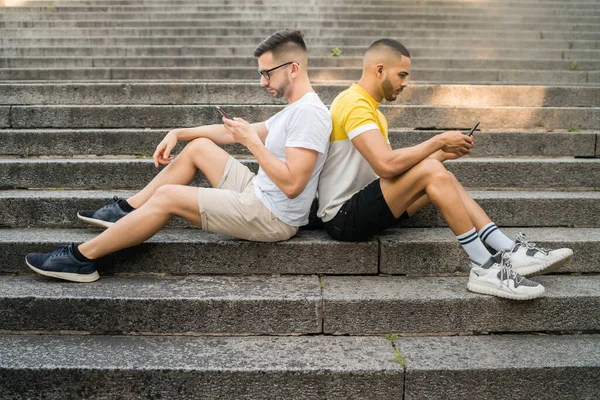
point(248, 368)
point(28, 117)
point(56, 211)
point(352, 65)
point(311, 252)
point(124, 34)
point(209, 305)
point(395, 307)
point(445, 311)
point(507, 144)
point(251, 93)
point(134, 174)
point(459, 76)
point(311, 29)
point(178, 47)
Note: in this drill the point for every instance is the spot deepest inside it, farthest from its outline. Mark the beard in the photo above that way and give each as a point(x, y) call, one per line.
point(388, 90)
point(280, 91)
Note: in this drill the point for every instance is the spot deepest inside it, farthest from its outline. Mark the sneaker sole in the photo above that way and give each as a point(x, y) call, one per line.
point(95, 222)
point(494, 291)
point(543, 268)
point(82, 278)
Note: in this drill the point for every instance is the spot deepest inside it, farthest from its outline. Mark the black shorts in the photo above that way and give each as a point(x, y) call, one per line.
point(361, 217)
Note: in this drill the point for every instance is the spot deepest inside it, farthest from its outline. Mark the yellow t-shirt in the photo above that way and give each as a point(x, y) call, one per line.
point(346, 171)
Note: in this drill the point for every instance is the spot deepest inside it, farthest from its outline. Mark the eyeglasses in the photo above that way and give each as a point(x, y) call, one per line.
point(265, 72)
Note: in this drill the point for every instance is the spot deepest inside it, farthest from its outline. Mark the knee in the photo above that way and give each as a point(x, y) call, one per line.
point(163, 198)
point(434, 171)
point(199, 145)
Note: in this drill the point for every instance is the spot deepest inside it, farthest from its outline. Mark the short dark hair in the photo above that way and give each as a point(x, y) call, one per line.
point(279, 40)
point(391, 43)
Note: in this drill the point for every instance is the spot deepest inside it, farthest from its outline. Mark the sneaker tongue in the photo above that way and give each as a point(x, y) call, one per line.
point(495, 259)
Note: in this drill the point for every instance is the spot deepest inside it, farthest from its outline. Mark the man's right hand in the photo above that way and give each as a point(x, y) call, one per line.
point(456, 142)
point(162, 155)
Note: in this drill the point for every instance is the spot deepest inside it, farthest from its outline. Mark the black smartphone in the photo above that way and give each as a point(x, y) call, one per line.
point(223, 113)
point(472, 130)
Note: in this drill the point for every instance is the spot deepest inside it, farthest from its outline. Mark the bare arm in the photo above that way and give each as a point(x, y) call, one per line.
point(290, 176)
point(217, 133)
point(389, 163)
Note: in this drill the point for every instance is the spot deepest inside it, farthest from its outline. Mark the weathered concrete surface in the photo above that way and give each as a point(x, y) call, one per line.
point(265, 305)
point(369, 305)
point(58, 208)
point(536, 367)
point(418, 252)
point(187, 251)
point(245, 368)
point(219, 93)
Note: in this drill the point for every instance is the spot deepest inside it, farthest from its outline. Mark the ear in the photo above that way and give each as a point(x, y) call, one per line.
point(295, 69)
point(379, 69)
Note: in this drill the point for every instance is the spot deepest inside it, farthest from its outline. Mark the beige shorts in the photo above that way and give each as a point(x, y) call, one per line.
point(232, 208)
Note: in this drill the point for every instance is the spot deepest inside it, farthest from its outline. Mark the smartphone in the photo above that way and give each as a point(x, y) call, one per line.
point(472, 130)
point(223, 113)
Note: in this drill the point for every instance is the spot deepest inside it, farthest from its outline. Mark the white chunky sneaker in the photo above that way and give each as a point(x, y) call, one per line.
point(528, 259)
point(497, 278)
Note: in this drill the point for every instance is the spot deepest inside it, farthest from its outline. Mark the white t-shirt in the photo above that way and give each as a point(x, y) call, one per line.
point(305, 123)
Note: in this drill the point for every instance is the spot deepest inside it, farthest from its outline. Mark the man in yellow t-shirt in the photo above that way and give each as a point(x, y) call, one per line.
point(366, 186)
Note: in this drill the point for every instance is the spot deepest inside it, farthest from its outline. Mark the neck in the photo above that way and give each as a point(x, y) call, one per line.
point(298, 90)
point(369, 87)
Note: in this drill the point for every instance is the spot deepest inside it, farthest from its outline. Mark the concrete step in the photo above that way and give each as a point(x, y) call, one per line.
point(475, 10)
point(252, 93)
point(258, 15)
point(376, 305)
point(460, 76)
point(497, 3)
point(282, 305)
point(159, 46)
point(281, 368)
point(101, 142)
point(421, 117)
point(219, 304)
point(134, 173)
point(244, 368)
point(514, 208)
point(208, 37)
point(180, 93)
point(310, 28)
point(397, 251)
point(245, 63)
point(560, 367)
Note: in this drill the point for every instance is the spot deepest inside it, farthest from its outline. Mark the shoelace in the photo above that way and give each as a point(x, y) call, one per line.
point(61, 251)
point(111, 202)
point(506, 271)
point(522, 239)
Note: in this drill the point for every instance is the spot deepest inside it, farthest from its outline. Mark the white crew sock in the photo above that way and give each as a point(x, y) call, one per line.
point(493, 237)
point(474, 247)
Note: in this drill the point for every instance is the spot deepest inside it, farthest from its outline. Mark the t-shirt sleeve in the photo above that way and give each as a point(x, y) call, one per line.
point(269, 122)
point(359, 118)
point(309, 128)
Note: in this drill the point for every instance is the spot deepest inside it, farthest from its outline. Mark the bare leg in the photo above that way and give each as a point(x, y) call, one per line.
point(428, 177)
point(140, 225)
point(478, 216)
point(199, 155)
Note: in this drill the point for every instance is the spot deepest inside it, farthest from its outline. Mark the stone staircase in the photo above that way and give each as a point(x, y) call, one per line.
point(87, 90)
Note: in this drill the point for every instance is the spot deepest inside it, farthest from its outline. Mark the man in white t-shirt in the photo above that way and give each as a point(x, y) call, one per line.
point(290, 149)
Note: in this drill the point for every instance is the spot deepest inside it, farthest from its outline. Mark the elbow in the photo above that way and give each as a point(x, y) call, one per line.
point(291, 192)
point(384, 171)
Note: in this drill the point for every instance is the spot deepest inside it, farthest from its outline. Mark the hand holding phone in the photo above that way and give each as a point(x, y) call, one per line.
point(472, 130)
point(223, 113)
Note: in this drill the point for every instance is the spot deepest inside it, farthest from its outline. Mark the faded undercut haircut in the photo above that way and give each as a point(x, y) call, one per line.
point(391, 44)
point(281, 42)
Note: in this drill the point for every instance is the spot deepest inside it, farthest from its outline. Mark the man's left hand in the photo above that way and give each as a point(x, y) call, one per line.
point(241, 131)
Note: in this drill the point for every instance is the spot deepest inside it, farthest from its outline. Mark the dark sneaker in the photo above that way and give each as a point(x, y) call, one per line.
point(104, 217)
point(62, 264)
point(497, 278)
